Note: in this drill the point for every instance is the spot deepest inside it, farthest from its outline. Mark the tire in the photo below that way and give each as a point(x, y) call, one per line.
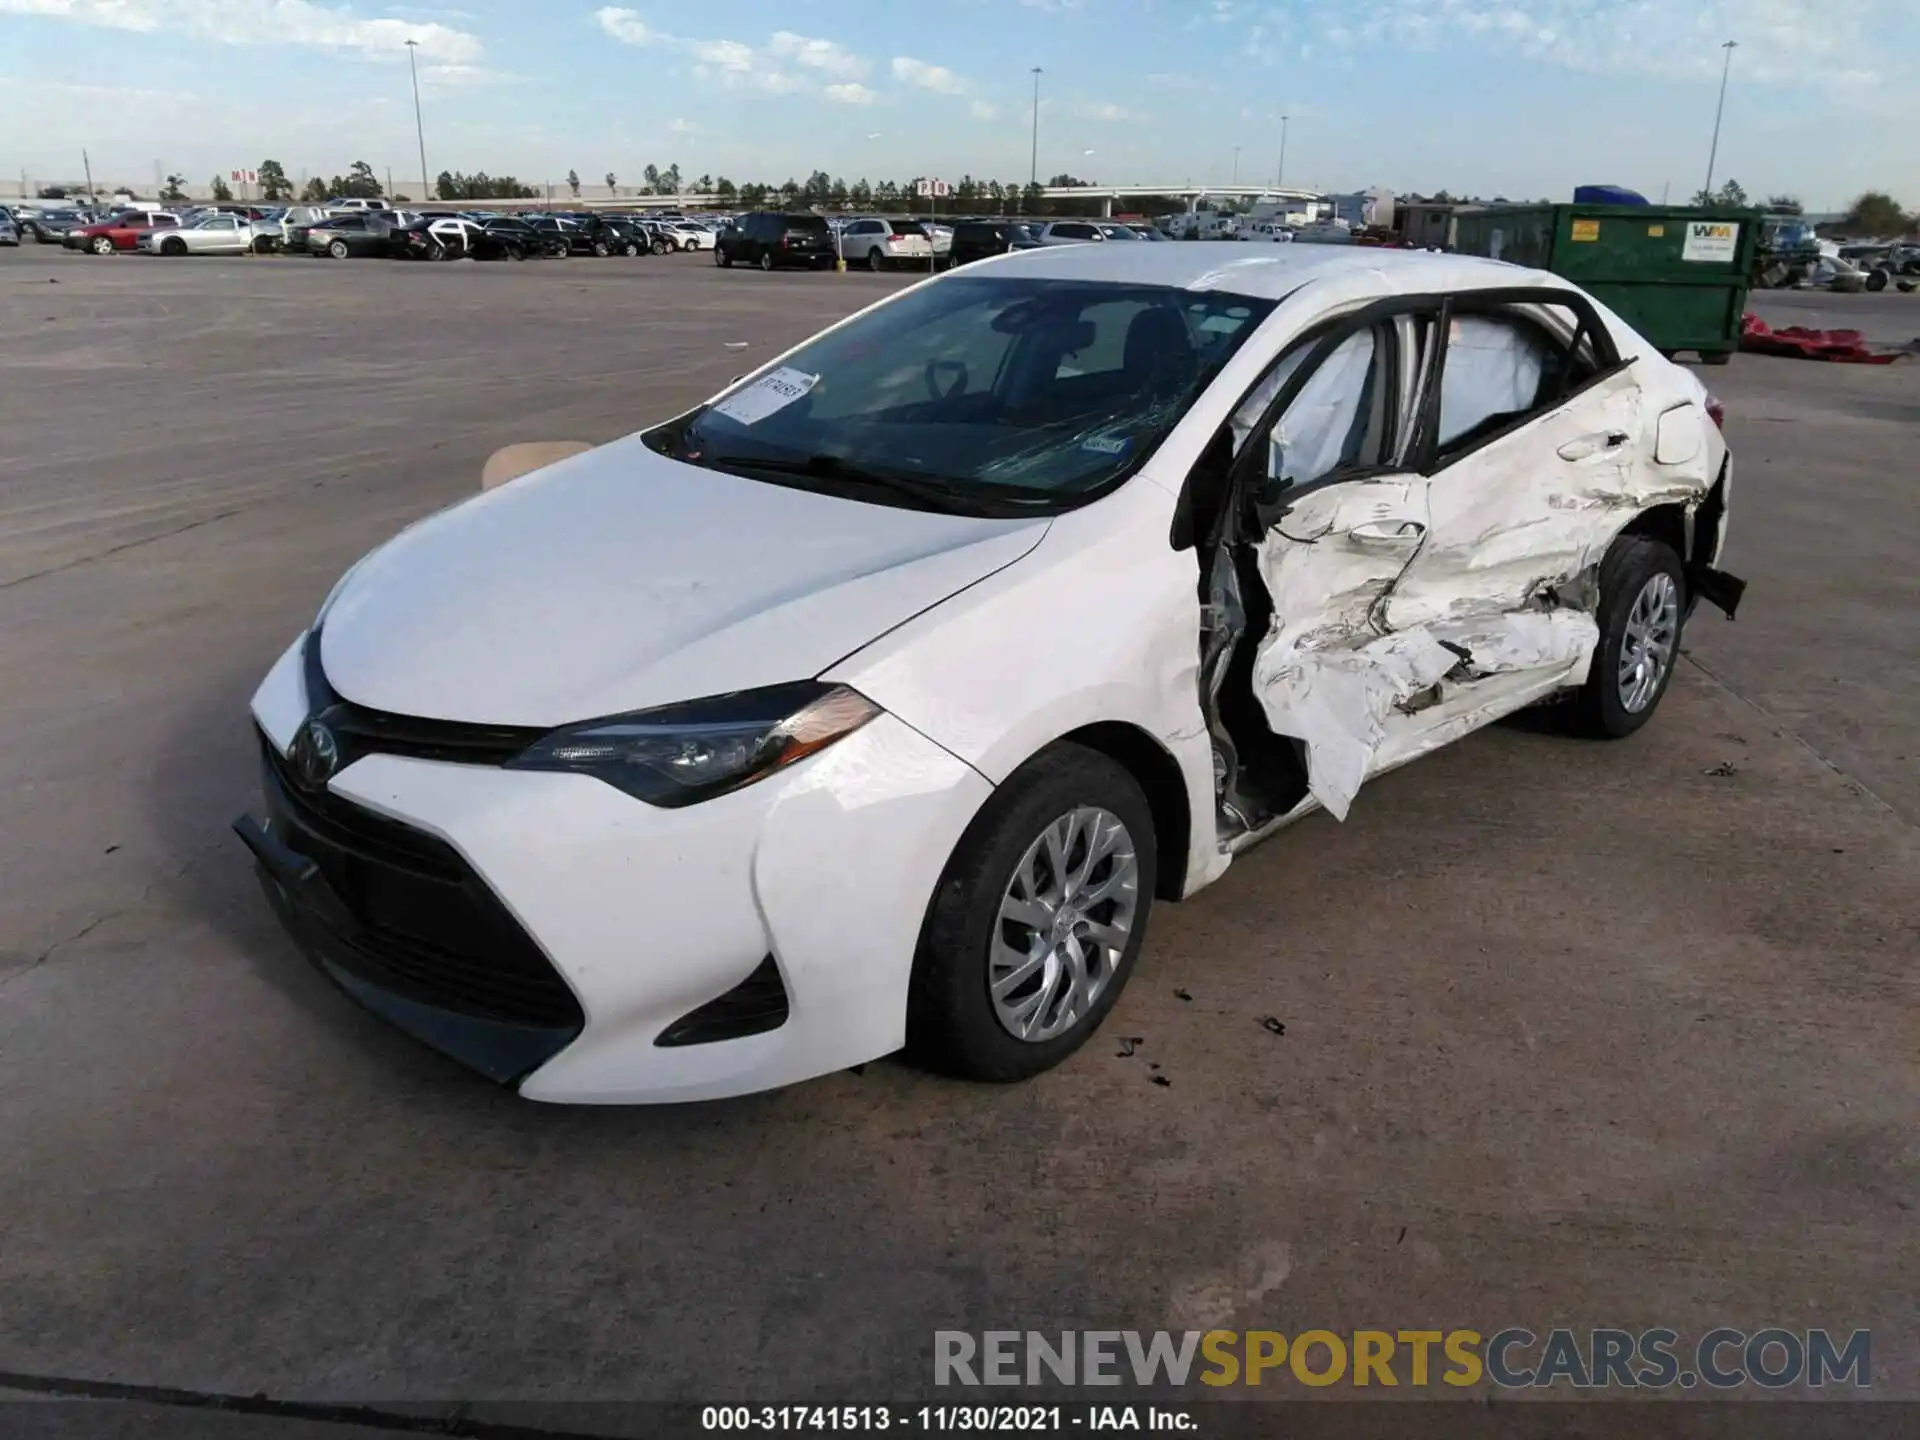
point(1631, 576)
point(766, 261)
point(338, 249)
point(1878, 279)
point(876, 262)
point(101, 245)
point(516, 252)
point(173, 247)
point(1716, 357)
point(721, 258)
point(661, 247)
point(600, 250)
point(953, 1021)
point(631, 249)
point(263, 244)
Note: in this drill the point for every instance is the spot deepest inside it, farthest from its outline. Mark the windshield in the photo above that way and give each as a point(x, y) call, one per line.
point(1004, 395)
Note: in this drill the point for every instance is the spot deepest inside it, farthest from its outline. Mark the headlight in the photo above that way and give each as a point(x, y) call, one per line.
point(681, 754)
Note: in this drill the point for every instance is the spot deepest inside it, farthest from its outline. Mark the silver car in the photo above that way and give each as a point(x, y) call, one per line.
point(213, 232)
point(9, 232)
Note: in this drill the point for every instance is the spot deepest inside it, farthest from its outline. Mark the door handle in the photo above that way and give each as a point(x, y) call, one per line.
point(1587, 446)
point(1387, 534)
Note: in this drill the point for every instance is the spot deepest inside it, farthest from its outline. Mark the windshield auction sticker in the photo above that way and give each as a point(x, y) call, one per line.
point(768, 394)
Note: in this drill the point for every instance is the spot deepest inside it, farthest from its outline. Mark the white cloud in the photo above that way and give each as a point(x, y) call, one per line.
point(788, 64)
point(263, 22)
point(1103, 110)
point(823, 55)
point(681, 126)
point(626, 25)
point(1816, 43)
point(985, 110)
point(939, 78)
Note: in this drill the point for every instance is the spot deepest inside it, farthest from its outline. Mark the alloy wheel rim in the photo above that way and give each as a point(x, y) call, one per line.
point(1064, 923)
point(1647, 644)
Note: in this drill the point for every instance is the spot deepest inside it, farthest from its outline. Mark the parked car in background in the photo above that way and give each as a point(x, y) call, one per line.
point(1148, 233)
point(294, 222)
point(1069, 232)
point(1267, 232)
point(512, 230)
point(691, 235)
point(1110, 230)
point(449, 237)
point(9, 228)
point(211, 232)
point(356, 236)
point(880, 244)
point(117, 232)
point(340, 204)
point(977, 239)
point(568, 235)
point(628, 237)
point(47, 224)
point(775, 240)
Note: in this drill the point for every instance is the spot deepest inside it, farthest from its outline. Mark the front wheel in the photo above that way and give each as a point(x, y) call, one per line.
point(661, 247)
point(1642, 613)
point(263, 245)
point(875, 262)
point(721, 258)
point(102, 245)
point(766, 261)
point(1037, 922)
point(175, 248)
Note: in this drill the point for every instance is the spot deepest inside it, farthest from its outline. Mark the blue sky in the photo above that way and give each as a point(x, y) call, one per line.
point(1519, 97)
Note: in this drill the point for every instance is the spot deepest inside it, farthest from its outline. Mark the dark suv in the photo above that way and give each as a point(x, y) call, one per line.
point(977, 239)
point(772, 240)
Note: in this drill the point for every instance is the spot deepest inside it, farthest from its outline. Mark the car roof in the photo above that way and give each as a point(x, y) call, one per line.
point(1225, 265)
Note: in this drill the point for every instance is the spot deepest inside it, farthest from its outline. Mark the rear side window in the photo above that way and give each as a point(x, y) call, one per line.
point(813, 224)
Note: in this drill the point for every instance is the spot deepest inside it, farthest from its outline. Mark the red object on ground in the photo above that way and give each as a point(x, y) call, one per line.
point(1846, 347)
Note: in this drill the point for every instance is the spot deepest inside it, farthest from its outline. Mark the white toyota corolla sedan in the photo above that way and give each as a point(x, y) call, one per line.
point(875, 702)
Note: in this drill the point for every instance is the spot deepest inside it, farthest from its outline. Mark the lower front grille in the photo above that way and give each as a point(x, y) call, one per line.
point(753, 1007)
point(424, 925)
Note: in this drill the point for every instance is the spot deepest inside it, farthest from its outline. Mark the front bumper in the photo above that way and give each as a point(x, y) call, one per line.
point(646, 915)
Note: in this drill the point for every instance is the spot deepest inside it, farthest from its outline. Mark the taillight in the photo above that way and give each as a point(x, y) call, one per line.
point(1716, 412)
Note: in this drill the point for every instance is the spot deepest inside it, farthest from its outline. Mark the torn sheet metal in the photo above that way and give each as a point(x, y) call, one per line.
point(1345, 703)
point(1337, 703)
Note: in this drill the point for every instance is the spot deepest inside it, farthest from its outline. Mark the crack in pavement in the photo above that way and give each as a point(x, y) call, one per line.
point(80, 560)
point(146, 894)
point(366, 1417)
point(1781, 727)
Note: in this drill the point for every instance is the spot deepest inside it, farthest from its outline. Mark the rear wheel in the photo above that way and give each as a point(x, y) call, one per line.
point(1642, 614)
point(173, 247)
point(263, 244)
point(721, 257)
point(631, 249)
point(1037, 922)
point(876, 262)
point(766, 261)
point(600, 249)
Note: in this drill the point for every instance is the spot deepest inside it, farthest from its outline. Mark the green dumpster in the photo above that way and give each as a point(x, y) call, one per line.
point(1677, 275)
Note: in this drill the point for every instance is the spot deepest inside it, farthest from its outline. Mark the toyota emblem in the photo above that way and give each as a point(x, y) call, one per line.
point(315, 754)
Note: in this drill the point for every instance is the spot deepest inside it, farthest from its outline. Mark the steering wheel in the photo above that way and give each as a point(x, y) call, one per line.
point(957, 369)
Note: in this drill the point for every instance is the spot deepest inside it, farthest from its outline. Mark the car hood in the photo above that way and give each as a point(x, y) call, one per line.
point(619, 580)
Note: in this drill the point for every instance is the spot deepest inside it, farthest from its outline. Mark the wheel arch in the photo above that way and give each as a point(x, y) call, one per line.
point(1160, 778)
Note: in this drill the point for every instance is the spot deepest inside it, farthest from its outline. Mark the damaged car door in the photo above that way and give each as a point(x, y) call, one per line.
point(1320, 516)
point(1531, 436)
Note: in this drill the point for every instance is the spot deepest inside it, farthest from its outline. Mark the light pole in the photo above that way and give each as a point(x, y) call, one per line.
point(1236, 164)
point(1281, 183)
point(1033, 174)
point(419, 131)
point(1713, 153)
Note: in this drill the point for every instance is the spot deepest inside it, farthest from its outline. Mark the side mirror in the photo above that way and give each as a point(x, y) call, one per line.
point(510, 462)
